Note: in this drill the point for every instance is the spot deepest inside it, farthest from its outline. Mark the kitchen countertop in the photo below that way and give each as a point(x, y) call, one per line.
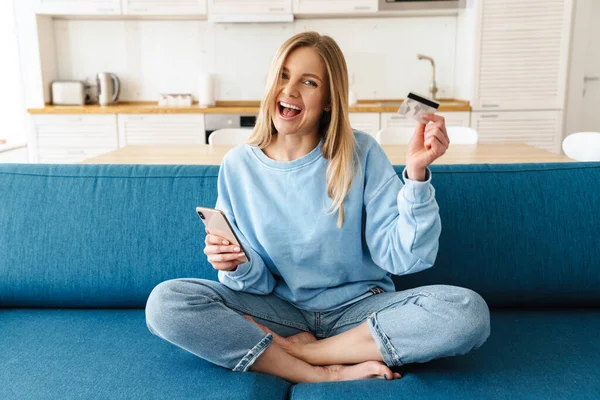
point(228, 107)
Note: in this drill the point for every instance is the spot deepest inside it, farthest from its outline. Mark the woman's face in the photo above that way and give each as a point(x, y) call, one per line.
point(301, 94)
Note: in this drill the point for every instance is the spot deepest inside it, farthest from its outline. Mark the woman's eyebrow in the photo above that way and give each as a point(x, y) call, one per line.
point(306, 74)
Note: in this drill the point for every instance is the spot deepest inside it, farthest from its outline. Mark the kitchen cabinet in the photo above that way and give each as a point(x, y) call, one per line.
point(521, 54)
point(19, 155)
point(171, 7)
point(79, 7)
point(334, 7)
point(148, 129)
point(366, 122)
point(537, 128)
point(405, 125)
point(250, 10)
point(72, 138)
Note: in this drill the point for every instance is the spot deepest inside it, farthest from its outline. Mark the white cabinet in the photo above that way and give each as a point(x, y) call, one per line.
point(537, 128)
point(148, 129)
point(250, 10)
point(366, 122)
point(403, 125)
point(334, 7)
point(164, 7)
point(18, 155)
point(72, 138)
point(77, 7)
point(522, 54)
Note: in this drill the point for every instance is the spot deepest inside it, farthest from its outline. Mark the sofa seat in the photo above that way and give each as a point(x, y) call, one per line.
point(109, 353)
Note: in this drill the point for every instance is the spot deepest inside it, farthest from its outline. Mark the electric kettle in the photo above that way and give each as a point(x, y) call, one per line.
point(108, 88)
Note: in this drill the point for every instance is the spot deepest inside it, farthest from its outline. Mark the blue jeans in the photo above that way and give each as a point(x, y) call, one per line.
point(205, 318)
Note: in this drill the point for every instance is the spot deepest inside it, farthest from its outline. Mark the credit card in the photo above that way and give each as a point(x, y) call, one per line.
point(414, 106)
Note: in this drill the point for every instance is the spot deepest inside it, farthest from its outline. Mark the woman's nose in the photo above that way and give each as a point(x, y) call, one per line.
point(290, 89)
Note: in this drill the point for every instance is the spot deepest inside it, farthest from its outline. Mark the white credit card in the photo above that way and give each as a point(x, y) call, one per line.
point(414, 106)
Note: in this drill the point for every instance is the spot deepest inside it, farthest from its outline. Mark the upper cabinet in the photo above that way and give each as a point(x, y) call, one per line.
point(164, 7)
point(522, 54)
point(122, 7)
point(250, 10)
point(79, 7)
point(319, 7)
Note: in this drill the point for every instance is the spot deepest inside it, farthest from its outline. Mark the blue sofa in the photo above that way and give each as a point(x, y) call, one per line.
point(82, 246)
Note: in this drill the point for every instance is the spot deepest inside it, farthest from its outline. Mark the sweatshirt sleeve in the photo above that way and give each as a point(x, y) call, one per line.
point(403, 225)
point(252, 276)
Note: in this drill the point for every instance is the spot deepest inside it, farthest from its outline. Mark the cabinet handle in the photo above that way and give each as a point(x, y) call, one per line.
point(490, 105)
point(489, 116)
point(140, 10)
point(75, 119)
point(75, 152)
point(396, 117)
point(276, 9)
point(591, 78)
point(360, 8)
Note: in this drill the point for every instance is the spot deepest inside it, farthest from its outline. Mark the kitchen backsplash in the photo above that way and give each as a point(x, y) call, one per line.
point(152, 57)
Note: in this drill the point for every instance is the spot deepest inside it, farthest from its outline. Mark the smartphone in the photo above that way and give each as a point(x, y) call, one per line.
point(217, 224)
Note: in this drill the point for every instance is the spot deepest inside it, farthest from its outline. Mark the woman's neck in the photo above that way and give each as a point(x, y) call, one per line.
point(285, 148)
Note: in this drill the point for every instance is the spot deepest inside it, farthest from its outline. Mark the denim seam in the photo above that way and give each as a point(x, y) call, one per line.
point(381, 309)
point(393, 359)
point(253, 354)
point(268, 318)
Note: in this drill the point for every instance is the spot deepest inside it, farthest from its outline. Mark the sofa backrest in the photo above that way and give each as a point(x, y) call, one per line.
point(105, 235)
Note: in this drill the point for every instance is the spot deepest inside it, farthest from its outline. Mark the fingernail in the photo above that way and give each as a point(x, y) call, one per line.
point(241, 255)
point(236, 249)
point(385, 375)
point(225, 242)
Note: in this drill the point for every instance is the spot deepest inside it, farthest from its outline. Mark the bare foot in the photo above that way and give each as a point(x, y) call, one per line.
point(364, 370)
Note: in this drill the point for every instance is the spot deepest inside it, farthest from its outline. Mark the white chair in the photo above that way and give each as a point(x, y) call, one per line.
point(462, 135)
point(393, 136)
point(229, 136)
point(582, 146)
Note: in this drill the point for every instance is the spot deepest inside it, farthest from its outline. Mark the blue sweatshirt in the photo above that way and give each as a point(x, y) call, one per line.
point(297, 252)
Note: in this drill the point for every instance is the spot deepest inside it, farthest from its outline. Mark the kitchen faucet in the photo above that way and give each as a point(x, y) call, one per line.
point(433, 89)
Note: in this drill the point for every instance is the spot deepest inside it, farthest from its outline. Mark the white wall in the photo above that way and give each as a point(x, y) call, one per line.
point(153, 57)
point(12, 112)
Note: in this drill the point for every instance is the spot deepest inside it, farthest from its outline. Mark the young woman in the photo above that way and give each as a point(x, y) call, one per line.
point(325, 221)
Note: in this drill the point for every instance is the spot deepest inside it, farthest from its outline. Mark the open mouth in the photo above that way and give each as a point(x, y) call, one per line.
point(288, 111)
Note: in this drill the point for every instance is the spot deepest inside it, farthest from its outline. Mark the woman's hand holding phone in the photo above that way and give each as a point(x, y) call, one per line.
point(222, 255)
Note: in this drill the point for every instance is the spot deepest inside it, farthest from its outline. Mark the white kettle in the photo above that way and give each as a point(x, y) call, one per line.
point(108, 88)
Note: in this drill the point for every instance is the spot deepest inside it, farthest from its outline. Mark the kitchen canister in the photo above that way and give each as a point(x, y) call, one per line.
point(206, 90)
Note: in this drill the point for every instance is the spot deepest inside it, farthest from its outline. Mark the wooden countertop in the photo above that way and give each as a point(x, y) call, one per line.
point(213, 154)
point(228, 107)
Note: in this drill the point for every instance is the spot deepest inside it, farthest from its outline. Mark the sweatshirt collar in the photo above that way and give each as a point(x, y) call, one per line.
point(306, 159)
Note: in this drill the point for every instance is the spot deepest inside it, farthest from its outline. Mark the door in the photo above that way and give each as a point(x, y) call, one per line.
point(591, 79)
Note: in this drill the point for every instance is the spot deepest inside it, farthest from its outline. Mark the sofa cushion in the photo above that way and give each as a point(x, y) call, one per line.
point(542, 355)
point(105, 235)
point(110, 354)
point(68, 354)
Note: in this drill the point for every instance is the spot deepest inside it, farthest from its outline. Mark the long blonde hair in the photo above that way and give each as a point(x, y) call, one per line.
point(339, 144)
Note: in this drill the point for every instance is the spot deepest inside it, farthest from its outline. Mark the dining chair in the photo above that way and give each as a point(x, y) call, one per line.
point(229, 136)
point(393, 136)
point(462, 135)
point(582, 146)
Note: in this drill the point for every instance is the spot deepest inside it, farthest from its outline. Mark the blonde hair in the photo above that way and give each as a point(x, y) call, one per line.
point(339, 144)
